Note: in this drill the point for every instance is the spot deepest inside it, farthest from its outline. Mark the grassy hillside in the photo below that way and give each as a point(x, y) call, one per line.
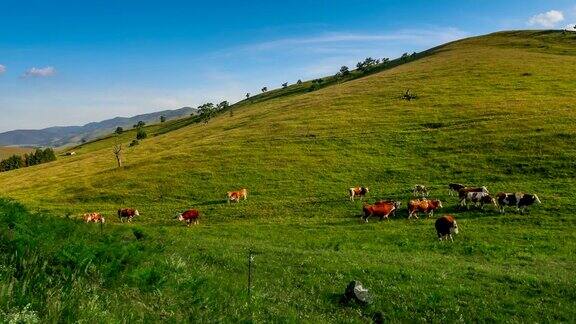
point(494, 110)
point(6, 152)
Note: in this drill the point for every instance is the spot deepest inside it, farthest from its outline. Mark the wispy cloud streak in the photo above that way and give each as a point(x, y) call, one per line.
point(342, 38)
point(40, 72)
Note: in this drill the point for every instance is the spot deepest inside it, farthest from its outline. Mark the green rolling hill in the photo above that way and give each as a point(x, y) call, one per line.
point(495, 110)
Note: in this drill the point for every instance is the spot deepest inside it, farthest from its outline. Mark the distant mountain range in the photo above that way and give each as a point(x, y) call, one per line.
point(67, 135)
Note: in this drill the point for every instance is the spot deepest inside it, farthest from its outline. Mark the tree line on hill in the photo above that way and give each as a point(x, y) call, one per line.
point(37, 157)
point(367, 66)
point(209, 110)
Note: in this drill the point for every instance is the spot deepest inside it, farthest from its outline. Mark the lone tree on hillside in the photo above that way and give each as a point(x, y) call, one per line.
point(223, 105)
point(264, 89)
point(162, 119)
point(344, 70)
point(118, 154)
point(206, 111)
point(285, 85)
point(247, 95)
point(140, 124)
point(141, 134)
point(119, 130)
point(299, 82)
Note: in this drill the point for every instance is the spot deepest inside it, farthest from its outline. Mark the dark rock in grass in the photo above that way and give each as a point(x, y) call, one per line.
point(378, 318)
point(357, 293)
point(138, 233)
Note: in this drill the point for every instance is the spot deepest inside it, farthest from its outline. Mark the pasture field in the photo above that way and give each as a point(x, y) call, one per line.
point(8, 151)
point(495, 110)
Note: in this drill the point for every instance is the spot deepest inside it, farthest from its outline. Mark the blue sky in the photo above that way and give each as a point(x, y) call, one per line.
point(73, 62)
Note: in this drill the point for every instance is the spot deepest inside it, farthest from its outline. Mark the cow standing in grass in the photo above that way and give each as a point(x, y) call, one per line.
point(462, 193)
point(382, 210)
point(191, 217)
point(423, 205)
point(358, 192)
point(445, 227)
point(479, 199)
point(94, 217)
point(127, 213)
point(235, 196)
point(396, 204)
point(420, 190)
point(518, 199)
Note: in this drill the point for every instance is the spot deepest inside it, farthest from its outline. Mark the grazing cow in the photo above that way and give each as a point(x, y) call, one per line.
point(453, 188)
point(190, 216)
point(235, 196)
point(419, 190)
point(477, 198)
point(94, 217)
point(518, 199)
point(423, 205)
point(358, 192)
point(127, 213)
point(381, 209)
point(445, 227)
point(396, 204)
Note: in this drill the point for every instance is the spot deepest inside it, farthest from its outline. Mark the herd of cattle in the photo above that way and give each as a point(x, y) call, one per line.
point(445, 225)
point(190, 216)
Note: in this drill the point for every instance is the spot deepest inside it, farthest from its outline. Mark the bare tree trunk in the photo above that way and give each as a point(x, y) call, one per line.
point(118, 154)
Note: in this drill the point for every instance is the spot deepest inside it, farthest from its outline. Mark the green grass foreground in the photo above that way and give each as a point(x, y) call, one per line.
point(495, 110)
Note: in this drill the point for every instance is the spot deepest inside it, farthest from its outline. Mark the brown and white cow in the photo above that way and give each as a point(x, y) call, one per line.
point(517, 199)
point(381, 209)
point(445, 227)
point(94, 217)
point(190, 216)
point(235, 196)
point(423, 205)
point(127, 213)
point(478, 198)
point(396, 204)
point(419, 190)
point(453, 188)
point(358, 192)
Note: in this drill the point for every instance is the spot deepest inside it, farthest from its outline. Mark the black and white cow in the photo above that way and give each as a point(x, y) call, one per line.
point(478, 198)
point(517, 199)
point(462, 193)
point(453, 188)
point(420, 190)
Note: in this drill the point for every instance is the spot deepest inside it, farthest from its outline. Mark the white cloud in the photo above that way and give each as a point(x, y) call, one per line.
point(570, 27)
point(2, 69)
point(416, 36)
point(547, 20)
point(40, 72)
